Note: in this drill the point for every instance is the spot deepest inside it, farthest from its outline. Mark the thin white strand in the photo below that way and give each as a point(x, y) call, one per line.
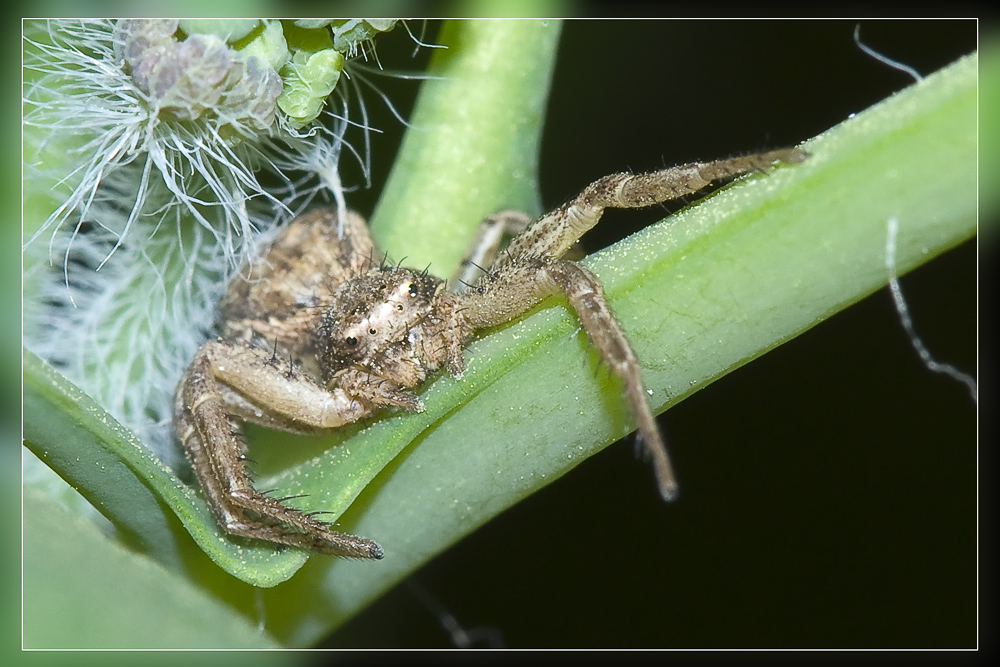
point(886, 60)
point(907, 321)
point(385, 98)
point(420, 42)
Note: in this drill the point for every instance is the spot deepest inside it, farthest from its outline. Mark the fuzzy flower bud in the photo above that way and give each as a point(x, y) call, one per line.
point(199, 77)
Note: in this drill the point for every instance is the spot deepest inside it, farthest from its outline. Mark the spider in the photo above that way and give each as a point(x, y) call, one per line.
point(321, 334)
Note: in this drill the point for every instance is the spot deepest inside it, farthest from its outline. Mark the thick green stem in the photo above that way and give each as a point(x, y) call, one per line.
point(473, 145)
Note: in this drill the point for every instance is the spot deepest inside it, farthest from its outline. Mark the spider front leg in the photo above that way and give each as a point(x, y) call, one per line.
point(519, 285)
point(529, 270)
point(231, 381)
point(556, 232)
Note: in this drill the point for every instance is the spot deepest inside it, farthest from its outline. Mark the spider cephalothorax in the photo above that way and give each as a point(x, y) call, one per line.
point(393, 323)
point(358, 336)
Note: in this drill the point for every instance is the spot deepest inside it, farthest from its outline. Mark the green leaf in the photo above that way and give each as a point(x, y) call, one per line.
point(85, 591)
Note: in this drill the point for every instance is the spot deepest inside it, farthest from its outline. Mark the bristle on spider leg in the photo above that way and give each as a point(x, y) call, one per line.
point(291, 497)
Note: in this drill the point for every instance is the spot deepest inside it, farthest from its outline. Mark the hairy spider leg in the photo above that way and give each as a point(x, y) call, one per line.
point(530, 270)
point(234, 381)
point(554, 233)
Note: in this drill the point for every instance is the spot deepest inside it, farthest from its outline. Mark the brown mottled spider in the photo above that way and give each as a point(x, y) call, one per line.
point(363, 334)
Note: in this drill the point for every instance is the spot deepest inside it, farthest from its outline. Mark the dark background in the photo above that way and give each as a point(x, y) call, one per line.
point(830, 487)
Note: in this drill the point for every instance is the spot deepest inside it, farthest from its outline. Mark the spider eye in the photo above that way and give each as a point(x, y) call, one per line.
point(399, 307)
point(413, 290)
point(351, 340)
point(372, 331)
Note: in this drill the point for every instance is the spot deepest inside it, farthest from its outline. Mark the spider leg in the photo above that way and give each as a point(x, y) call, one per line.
point(226, 381)
point(484, 246)
point(553, 234)
point(519, 285)
point(530, 269)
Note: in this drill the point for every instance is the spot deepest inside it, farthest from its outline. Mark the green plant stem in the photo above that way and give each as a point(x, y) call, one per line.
point(474, 140)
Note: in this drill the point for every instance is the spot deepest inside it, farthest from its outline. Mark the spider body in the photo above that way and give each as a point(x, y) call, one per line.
point(320, 335)
point(363, 330)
